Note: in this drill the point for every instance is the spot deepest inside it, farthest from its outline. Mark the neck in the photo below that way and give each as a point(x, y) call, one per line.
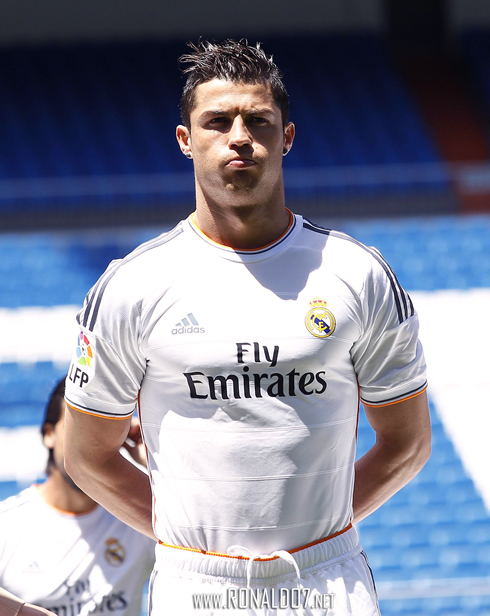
point(244, 226)
point(58, 493)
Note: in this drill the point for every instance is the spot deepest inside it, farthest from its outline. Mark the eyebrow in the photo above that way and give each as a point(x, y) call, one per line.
point(252, 112)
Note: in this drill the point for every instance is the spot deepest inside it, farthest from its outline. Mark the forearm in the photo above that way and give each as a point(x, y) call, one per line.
point(10, 605)
point(381, 472)
point(94, 462)
point(118, 485)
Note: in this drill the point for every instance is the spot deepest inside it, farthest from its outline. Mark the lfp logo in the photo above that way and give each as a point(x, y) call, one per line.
point(84, 350)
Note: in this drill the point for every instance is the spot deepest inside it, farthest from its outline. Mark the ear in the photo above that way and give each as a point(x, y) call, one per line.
point(289, 132)
point(48, 437)
point(183, 135)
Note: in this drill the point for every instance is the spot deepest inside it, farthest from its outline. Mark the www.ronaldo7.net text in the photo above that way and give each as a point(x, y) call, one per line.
point(260, 598)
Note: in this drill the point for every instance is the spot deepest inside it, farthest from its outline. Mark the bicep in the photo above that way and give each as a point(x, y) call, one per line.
point(93, 438)
point(403, 422)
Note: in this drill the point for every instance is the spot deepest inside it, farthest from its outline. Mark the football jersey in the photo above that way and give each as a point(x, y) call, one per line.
point(247, 367)
point(72, 564)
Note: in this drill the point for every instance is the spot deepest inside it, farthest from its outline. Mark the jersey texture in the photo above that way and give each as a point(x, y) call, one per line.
point(247, 368)
point(72, 564)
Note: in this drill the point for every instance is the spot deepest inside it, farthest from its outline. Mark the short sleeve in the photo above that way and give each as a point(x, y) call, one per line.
point(107, 365)
point(388, 357)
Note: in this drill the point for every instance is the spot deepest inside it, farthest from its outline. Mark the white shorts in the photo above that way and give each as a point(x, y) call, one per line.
point(335, 580)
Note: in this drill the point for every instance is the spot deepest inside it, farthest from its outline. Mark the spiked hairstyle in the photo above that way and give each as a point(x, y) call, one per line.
point(234, 61)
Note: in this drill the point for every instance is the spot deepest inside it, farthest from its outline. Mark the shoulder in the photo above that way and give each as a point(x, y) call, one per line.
point(346, 255)
point(16, 507)
point(362, 267)
point(338, 240)
point(128, 281)
point(147, 254)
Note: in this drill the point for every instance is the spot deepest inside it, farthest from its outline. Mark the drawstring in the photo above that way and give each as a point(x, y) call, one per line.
point(238, 550)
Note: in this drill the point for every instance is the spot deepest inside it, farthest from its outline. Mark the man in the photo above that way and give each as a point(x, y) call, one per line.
point(246, 337)
point(60, 550)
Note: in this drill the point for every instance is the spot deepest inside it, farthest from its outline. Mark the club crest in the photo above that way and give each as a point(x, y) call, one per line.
point(115, 553)
point(319, 321)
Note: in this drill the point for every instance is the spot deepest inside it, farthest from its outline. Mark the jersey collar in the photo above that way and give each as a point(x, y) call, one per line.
point(257, 254)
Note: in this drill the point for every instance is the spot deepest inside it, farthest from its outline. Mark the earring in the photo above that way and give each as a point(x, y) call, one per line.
point(285, 151)
point(188, 154)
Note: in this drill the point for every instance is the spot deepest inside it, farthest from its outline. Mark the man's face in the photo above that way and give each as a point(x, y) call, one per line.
point(237, 141)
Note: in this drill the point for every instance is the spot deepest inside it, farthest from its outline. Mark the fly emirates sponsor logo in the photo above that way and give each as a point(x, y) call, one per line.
point(251, 382)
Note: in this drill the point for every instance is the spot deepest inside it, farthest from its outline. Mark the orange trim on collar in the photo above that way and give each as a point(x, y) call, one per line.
point(71, 514)
point(250, 250)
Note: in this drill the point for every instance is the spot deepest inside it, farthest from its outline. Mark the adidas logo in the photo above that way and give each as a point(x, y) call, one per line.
point(33, 568)
point(188, 325)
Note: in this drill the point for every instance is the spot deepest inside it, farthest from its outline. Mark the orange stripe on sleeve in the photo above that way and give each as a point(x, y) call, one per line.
point(75, 408)
point(378, 406)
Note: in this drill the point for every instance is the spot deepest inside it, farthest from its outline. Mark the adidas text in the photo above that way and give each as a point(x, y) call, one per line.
point(188, 330)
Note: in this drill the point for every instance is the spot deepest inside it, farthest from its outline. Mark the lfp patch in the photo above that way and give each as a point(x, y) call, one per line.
point(84, 350)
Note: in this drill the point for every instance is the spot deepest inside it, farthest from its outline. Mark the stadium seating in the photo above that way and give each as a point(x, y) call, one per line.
point(476, 49)
point(110, 110)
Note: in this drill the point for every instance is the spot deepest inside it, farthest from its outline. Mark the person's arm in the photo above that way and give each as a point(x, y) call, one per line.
point(93, 461)
point(10, 605)
point(34, 610)
point(403, 442)
point(133, 444)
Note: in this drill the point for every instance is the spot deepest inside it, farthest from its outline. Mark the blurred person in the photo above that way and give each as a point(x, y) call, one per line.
point(62, 551)
point(247, 337)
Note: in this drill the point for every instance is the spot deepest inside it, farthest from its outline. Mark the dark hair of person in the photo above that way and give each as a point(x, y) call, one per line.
point(52, 415)
point(234, 61)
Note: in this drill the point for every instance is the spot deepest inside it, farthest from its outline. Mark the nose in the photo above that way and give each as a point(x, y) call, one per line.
point(239, 134)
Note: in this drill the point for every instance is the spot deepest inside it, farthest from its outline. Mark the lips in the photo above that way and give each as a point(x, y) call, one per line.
point(241, 163)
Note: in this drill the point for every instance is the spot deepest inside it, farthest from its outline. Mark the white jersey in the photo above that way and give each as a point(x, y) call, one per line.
point(72, 564)
point(247, 367)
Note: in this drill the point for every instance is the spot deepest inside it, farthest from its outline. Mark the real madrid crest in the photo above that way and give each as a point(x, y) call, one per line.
point(115, 553)
point(319, 321)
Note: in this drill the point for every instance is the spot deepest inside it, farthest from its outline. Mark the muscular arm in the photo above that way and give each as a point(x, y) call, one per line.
point(93, 461)
point(403, 437)
point(10, 605)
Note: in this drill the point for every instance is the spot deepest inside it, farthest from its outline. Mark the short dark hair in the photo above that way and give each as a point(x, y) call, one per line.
point(231, 60)
point(52, 415)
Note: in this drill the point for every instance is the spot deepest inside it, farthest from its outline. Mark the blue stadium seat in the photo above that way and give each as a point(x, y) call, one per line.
point(8, 488)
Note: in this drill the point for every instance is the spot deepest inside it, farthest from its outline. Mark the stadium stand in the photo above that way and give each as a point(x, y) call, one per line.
point(476, 50)
point(94, 125)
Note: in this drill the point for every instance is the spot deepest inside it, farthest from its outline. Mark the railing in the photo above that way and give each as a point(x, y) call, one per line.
point(427, 187)
point(319, 178)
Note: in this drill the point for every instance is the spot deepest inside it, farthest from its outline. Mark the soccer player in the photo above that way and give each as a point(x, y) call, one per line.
point(62, 551)
point(247, 337)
